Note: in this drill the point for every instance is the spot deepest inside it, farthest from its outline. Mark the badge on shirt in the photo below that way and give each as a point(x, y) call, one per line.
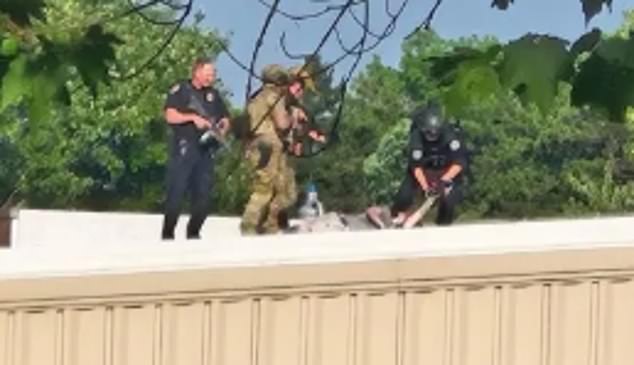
point(175, 89)
point(210, 97)
point(454, 145)
point(417, 154)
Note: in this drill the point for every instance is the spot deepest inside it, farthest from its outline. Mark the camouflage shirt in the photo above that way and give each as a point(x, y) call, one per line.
point(261, 109)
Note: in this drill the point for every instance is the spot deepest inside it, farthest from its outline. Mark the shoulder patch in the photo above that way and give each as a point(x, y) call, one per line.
point(175, 88)
point(454, 145)
point(417, 155)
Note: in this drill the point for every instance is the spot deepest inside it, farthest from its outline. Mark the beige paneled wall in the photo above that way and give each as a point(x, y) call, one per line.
point(374, 313)
point(5, 331)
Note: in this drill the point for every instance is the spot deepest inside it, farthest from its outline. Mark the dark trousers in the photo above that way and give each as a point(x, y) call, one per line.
point(189, 168)
point(446, 203)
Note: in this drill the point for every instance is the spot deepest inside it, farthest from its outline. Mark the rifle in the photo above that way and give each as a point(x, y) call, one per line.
point(211, 138)
point(304, 133)
point(380, 217)
point(419, 214)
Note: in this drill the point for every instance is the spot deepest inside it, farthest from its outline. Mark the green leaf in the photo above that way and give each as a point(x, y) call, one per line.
point(475, 82)
point(93, 55)
point(9, 47)
point(606, 85)
point(16, 83)
point(445, 67)
point(501, 4)
point(533, 67)
point(586, 43)
point(593, 7)
point(45, 88)
point(590, 8)
point(618, 51)
point(20, 11)
point(606, 78)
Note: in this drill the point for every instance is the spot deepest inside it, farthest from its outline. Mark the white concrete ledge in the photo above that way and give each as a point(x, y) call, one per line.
point(77, 257)
point(33, 227)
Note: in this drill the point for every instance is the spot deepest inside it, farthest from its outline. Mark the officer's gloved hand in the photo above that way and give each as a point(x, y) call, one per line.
point(443, 187)
point(433, 191)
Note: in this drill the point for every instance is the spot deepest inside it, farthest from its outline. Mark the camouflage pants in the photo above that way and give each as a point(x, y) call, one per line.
point(272, 188)
point(287, 186)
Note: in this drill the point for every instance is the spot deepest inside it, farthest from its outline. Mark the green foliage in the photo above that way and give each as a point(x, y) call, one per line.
point(41, 61)
point(92, 56)
point(475, 81)
point(527, 164)
point(107, 152)
point(21, 11)
point(232, 182)
point(606, 78)
point(9, 47)
point(460, 71)
point(528, 161)
point(533, 66)
point(601, 72)
point(385, 168)
point(532, 110)
point(13, 85)
point(375, 103)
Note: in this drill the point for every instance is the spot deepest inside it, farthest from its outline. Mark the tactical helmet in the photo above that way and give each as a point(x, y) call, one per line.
point(429, 121)
point(275, 74)
point(300, 73)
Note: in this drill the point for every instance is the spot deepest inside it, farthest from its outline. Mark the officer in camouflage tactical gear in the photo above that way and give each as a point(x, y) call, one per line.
point(273, 181)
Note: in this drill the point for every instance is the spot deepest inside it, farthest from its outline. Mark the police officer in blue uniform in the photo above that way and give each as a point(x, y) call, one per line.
point(198, 119)
point(436, 164)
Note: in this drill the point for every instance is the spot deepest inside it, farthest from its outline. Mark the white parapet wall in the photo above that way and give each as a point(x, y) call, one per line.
point(53, 228)
point(114, 242)
point(32, 227)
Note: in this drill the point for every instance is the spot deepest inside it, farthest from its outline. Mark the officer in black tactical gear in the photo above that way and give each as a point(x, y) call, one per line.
point(437, 160)
point(193, 107)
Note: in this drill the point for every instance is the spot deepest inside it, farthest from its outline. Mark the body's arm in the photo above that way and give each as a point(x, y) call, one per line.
point(175, 117)
point(281, 118)
point(419, 174)
point(224, 123)
point(453, 171)
point(177, 100)
point(457, 157)
point(416, 157)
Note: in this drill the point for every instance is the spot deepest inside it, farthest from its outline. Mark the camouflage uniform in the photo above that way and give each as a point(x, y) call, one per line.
point(287, 186)
point(273, 186)
point(267, 160)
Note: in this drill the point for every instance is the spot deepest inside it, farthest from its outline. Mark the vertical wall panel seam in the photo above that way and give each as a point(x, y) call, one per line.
point(206, 333)
point(449, 323)
point(497, 326)
point(304, 313)
point(353, 343)
point(256, 319)
point(546, 323)
point(400, 327)
point(59, 336)
point(108, 337)
point(594, 323)
point(11, 339)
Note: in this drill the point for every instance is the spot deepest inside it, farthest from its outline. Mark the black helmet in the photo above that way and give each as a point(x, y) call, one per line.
point(429, 121)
